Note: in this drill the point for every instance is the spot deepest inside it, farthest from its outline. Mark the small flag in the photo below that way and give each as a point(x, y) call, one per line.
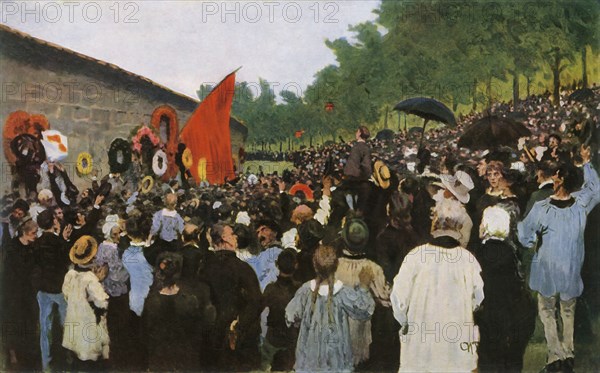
point(56, 145)
point(298, 134)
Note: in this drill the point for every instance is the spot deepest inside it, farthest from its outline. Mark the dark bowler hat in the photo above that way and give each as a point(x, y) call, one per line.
point(356, 235)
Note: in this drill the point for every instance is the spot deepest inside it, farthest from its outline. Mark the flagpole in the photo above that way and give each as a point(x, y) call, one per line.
point(226, 76)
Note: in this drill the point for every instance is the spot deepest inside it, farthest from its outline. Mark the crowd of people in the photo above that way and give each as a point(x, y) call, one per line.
point(372, 255)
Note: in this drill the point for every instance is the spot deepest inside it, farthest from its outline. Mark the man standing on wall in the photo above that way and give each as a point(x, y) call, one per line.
point(358, 170)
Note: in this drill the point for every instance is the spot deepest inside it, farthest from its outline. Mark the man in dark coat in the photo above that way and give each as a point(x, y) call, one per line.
point(194, 258)
point(85, 224)
point(237, 298)
point(18, 213)
point(19, 307)
point(51, 265)
point(358, 170)
point(544, 173)
point(398, 238)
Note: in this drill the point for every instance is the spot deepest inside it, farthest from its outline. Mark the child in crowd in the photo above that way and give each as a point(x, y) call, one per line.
point(280, 340)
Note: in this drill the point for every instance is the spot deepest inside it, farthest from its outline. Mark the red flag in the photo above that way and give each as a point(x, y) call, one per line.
point(207, 134)
point(298, 134)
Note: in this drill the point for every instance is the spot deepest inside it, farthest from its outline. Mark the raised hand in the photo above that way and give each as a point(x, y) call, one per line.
point(67, 231)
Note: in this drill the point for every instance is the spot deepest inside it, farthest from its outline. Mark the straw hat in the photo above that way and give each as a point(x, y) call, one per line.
point(459, 185)
point(381, 174)
point(84, 250)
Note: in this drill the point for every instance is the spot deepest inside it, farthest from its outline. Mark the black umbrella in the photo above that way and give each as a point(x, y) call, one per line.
point(581, 94)
point(492, 132)
point(385, 134)
point(428, 109)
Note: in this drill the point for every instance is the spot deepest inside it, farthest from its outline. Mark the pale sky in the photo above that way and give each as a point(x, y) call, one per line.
point(182, 44)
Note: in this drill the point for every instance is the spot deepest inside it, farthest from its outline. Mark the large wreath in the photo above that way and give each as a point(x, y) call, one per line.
point(84, 163)
point(119, 156)
point(165, 111)
point(159, 163)
point(143, 131)
point(18, 123)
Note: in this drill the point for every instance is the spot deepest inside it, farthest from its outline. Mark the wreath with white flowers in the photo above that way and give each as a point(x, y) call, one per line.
point(159, 163)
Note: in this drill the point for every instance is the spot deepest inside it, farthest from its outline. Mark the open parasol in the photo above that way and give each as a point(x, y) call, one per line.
point(492, 132)
point(428, 109)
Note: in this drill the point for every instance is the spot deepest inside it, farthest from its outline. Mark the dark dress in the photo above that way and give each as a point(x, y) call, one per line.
point(276, 297)
point(171, 329)
point(235, 293)
point(510, 204)
point(507, 315)
point(391, 247)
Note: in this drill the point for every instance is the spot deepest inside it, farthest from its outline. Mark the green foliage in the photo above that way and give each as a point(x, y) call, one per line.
point(468, 54)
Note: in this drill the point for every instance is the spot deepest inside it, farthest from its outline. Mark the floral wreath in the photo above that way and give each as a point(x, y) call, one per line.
point(18, 123)
point(119, 145)
point(159, 170)
point(144, 130)
point(147, 184)
point(172, 141)
point(187, 159)
point(84, 163)
point(299, 187)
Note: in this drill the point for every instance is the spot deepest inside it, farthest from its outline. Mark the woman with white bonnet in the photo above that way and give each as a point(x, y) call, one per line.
point(433, 298)
point(455, 194)
point(507, 316)
point(115, 284)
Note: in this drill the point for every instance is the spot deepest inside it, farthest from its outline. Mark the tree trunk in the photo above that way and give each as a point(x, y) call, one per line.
point(454, 104)
point(528, 86)
point(489, 92)
point(399, 122)
point(474, 107)
point(556, 77)
point(281, 146)
point(515, 91)
point(584, 78)
point(385, 120)
point(310, 140)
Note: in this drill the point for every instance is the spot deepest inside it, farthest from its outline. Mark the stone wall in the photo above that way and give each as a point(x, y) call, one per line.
point(89, 101)
point(89, 112)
